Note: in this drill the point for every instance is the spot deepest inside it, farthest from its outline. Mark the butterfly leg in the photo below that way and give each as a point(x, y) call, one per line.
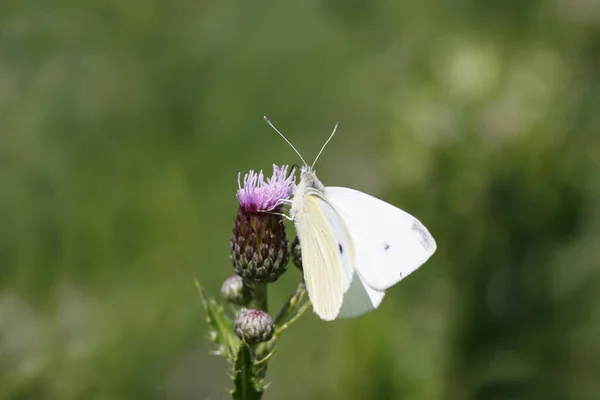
point(281, 215)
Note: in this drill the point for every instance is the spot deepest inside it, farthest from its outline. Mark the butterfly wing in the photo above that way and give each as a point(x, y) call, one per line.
point(327, 254)
point(389, 243)
point(360, 298)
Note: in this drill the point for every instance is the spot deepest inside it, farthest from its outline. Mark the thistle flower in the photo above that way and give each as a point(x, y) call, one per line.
point(254, 326)
point(259, 247)
point(234, 291)
point(258, 195)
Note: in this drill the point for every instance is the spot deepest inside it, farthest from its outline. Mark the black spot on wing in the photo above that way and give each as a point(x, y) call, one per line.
point(341, 248)
point(424, 237)
point(386, 246)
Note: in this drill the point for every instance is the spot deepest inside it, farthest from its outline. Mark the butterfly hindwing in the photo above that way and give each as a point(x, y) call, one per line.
point(360, 298)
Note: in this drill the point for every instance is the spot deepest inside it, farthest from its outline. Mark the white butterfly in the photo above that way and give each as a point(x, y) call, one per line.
point(354, 246)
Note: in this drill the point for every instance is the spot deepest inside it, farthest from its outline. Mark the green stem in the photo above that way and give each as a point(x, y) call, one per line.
point(253, 361)
point(261, 300)
point(246, 386)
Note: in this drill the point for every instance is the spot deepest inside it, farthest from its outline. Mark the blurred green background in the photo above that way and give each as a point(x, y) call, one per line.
point(123, 125)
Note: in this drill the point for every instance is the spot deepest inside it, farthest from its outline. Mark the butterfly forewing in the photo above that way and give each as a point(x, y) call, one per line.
point(389, 243)
point(341, 236)
point(325, 261)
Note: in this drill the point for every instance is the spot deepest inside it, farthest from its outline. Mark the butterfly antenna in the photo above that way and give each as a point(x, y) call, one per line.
point(284, 138)
point(323, 148)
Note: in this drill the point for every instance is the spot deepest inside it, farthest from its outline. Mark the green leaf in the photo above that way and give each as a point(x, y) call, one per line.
point(247, 386)
point(221, 326)
point(293, 309)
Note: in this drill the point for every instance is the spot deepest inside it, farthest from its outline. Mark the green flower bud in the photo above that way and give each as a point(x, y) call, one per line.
point(254, 326)
point(259, 249)
point(234, 291)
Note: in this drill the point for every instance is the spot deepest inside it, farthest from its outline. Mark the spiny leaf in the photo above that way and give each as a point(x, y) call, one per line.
point(221, 327)
point(247, 386)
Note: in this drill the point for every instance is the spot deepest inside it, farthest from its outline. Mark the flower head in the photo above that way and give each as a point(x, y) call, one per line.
point(254, 326)
point(258, 195)
point(259, 247)
point(234, 290)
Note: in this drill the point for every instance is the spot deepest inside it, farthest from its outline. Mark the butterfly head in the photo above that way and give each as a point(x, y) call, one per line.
point(308, 177)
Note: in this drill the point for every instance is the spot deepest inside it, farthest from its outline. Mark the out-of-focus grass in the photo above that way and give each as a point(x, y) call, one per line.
point(123, 128)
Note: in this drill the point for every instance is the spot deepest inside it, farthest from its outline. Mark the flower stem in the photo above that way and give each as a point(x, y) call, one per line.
point(261, 301)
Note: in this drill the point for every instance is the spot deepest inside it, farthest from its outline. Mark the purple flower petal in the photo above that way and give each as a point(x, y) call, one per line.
point(258, 195)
